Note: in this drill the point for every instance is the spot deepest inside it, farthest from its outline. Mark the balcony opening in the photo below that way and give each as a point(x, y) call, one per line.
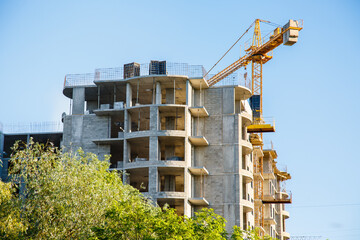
point(173, 91)
point(143, 92)
point(171, 179)
point(244, 192)
point(109, 96)
point(139, 178)
point(198, 97)
point(199, 187)
point(172, 118)
point(138, 149)
point(117, 155)
point(54, 138)
point(177, 204)
point(117, 126)
point(243, 164)
point(171, 148)
point(244, 134)
point(245, 221)
point(9, 141)
point(139, 119)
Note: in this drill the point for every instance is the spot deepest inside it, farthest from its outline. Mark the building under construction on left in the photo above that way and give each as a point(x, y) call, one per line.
point(184, 138)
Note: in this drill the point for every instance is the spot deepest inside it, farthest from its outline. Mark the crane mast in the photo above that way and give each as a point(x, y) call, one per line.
point(258, 54)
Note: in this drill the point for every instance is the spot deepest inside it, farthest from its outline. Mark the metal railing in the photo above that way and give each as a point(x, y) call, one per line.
point(234, 79)
point(268, 145)
point(117, 73)
point(263, 120)
point(34, 127)
point(84, 79)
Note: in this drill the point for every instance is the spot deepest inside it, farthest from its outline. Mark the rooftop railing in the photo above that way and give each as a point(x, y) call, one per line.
point(117, 73)
point(83, 79)
point(234, 79)
point(34, 127)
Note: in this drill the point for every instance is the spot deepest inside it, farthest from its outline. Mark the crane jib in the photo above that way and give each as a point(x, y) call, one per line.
point(286, 35)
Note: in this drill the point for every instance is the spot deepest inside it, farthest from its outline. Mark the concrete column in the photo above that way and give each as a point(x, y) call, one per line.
point(127, 152)
point(154, 118)
point(114, 94)
point(1, 145)
point(153, 180)
point(98, 96)
point(158, 93)
point(127, 121)
point(187, 155)
point(4, 165)
point(128, 95)
point(126, 177)
point(188, 192)
point(154, 146)
point(109, 126)
point(78, 100)
point(189, 94)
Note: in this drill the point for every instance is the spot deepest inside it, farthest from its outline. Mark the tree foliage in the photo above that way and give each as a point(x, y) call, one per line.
point(74, 196)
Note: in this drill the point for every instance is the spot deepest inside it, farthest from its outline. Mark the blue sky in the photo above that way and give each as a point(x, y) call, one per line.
point(311, 88)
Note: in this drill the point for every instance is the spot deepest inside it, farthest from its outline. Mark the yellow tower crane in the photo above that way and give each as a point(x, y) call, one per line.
point(257, 54)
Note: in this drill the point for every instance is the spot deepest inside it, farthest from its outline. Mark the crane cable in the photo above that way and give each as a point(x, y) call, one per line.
point(230, 48)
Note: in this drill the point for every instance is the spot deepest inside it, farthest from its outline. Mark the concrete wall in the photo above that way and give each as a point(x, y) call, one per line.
point(222, 188)
point(222, 158)
point(81, 130)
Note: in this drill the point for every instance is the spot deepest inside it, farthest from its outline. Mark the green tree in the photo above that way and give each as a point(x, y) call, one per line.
point(65, 195)
point(10, 222)
point(74, 196)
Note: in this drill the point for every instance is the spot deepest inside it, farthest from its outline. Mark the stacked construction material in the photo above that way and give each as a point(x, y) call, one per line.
point(157, 67)
point(131, 70)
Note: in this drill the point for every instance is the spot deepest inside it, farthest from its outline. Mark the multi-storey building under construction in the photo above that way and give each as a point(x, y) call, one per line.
point(184, 138)
point(180, 141)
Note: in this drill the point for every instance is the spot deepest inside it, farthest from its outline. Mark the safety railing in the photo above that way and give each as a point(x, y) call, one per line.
point(234, 79)
point(268, 145)
point(117, 73)
point(33, 127)
point(263, 120)
point(192, 71)
point(84, 79)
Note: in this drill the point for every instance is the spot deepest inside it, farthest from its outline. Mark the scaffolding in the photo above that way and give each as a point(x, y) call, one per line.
point(259, 187)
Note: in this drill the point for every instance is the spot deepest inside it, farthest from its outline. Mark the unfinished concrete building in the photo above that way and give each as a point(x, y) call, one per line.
point(180, 141)
point(270, 191)
point(184, 138)
point(44, 132)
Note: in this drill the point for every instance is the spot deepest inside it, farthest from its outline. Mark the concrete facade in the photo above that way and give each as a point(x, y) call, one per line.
point(179, 141)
